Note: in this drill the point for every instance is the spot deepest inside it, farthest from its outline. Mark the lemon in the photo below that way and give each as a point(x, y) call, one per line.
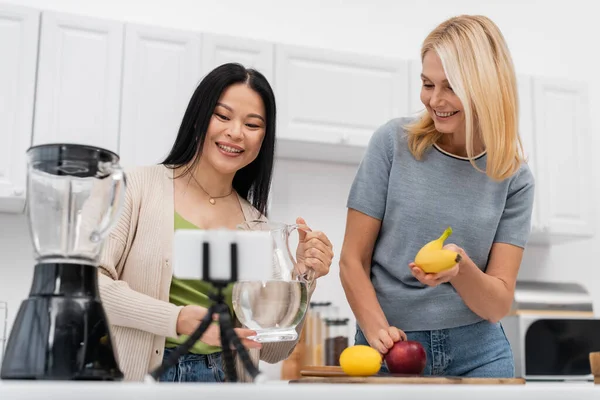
point(360, 360)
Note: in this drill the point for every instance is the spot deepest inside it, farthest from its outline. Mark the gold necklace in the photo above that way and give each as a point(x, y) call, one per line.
point(211, 199)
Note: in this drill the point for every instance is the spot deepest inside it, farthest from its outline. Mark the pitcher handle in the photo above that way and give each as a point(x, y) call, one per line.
point(307, 276)
point(110, 218)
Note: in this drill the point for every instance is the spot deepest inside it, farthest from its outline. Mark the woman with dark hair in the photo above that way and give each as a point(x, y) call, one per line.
point(217, 174)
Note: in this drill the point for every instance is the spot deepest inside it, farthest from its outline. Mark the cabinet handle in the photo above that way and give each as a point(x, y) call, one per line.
point(19, 192)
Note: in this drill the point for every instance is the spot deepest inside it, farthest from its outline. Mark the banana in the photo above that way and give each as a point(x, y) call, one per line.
point(432, 258)
point(435, 261)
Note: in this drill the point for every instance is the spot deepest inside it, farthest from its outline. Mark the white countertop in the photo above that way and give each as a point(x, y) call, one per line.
point(280, 390)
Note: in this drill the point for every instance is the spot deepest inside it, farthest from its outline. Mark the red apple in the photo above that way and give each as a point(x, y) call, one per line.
point(406, 357)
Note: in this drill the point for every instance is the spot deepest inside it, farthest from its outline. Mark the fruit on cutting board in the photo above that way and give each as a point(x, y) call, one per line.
point(360, 360)
point(433, 258)
point(406, 357)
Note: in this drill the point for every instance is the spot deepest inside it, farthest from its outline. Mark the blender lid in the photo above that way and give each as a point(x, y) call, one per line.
point(64, 159)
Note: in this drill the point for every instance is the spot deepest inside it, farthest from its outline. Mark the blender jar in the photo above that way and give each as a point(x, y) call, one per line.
point(74, 196)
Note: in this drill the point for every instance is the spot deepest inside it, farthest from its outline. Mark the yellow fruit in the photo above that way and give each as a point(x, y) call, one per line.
point(360, 360)
point(435, 261)
point(432, 258)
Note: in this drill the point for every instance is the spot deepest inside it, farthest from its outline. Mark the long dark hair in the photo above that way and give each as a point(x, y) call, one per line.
point(254, 180)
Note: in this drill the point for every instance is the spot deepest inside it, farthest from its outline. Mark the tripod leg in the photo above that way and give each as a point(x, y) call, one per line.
point(241, 350)
point(184, 348)
point(225, 325)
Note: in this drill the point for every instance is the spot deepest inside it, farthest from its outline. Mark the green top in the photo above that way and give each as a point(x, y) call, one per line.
point(184, 292)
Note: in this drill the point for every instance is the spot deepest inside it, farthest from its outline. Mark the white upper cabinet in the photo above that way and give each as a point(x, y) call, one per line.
point(125, 87)
point(79, 81)
point(563, 158)
point(222, 49)
point(19, 29)
point(526, 127)
point(332, 97)
point(162, 68)
point(527, 134)
point(554, 129)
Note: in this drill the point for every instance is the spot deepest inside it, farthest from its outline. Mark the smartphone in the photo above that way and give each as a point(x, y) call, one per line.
point(223, 255)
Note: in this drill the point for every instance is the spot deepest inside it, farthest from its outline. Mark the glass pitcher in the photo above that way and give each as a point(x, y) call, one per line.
point(74, 196)
point(275, 307)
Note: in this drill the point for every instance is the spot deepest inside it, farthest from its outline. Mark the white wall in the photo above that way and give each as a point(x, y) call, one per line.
point(547, 38)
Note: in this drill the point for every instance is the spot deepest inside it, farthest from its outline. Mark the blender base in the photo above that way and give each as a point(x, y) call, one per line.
point(61, 331)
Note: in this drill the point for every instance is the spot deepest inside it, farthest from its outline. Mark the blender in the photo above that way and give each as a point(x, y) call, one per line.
point(74, 197)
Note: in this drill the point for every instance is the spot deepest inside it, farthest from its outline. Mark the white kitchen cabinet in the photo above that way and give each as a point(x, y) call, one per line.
point(79, 81)
point(162, 68)
point(221, 49)
point(562, 163)
point(125, 87)
point(526, 127)
point(19, 29)
point(527, 134)
point(554, 129)
point(329, 98)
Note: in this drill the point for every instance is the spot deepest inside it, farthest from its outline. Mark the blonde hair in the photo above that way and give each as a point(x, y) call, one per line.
point(479, 68)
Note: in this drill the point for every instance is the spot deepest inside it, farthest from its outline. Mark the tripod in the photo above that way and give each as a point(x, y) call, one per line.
point(228, 335)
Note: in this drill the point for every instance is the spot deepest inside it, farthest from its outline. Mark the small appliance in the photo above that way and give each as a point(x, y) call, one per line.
point(552, 331)
point(74, 196)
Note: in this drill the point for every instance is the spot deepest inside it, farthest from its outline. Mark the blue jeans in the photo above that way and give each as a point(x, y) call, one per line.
point(478, 350)
point(194, 368)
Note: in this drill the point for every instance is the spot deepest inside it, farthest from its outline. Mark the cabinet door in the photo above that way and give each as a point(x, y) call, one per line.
point(562, 137)
point(79, 81)
point(327, 96)
point(527, 133)
point(19, 29)
point(220, 49)
point(161, 72)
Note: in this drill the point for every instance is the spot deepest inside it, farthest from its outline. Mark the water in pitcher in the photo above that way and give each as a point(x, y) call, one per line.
point(271, 308)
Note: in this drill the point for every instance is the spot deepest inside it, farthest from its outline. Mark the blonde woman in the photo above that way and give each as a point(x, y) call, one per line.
point(458, 164)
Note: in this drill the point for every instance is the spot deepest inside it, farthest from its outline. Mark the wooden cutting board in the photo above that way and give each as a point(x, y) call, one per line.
point(331, 374)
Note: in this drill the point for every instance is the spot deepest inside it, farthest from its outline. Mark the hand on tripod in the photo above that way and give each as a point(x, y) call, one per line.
point(190, 317)
point(218, 310)
point(228, 335)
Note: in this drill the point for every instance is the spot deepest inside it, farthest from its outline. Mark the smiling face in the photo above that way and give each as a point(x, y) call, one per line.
point(441, 102)
point(235, 131)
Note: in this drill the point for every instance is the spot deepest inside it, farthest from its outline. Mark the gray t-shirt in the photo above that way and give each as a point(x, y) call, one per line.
point(416, 201)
